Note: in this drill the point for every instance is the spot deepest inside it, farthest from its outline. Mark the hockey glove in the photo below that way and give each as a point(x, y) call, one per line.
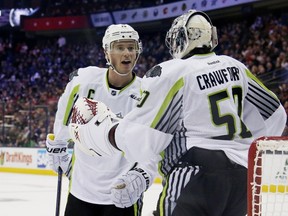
point(129, 187)
point(92, 137)
point(58, 155)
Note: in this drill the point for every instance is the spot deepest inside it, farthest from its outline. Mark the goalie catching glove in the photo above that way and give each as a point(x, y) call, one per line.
point(129, 187)
point(92, 136)
point(58, 155)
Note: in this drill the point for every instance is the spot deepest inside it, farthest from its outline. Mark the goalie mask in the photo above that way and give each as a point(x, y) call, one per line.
point(116, 33)
point(191, 30)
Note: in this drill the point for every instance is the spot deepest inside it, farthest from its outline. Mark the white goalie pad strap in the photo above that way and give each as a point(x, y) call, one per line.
point(133, 138)
point(92, 138)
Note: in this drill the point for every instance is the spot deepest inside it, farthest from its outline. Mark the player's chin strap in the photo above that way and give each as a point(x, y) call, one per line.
point(109, 64)
point(114, 69)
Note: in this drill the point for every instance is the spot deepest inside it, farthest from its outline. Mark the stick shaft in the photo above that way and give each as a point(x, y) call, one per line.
point(58, 196)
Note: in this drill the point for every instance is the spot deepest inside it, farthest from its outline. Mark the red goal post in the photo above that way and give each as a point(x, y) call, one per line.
point(267, 188)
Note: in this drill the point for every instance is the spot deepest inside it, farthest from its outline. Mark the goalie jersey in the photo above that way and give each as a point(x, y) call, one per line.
point(92, 177)
point(208, 101)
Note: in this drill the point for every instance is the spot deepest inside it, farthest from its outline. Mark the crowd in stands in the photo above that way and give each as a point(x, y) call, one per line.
point(33, 73)
point(79, 6)
point(84, 7)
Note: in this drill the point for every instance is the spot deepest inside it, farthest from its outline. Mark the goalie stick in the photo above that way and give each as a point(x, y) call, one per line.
point(58, 196)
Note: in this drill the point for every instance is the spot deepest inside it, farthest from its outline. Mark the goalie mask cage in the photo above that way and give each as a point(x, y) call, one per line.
point(268, 177)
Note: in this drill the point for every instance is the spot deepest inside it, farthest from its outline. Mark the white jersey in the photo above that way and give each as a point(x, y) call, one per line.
point(92, 177)
point(209, 101)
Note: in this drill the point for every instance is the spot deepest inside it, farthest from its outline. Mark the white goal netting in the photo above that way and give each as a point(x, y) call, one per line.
point(268, 177)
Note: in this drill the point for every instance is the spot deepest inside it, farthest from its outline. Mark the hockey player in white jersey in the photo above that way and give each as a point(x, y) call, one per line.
point(200, 112)
point(93, 180)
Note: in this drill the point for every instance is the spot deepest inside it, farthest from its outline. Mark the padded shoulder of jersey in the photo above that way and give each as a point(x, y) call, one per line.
point(88, 74)
point(164, 69)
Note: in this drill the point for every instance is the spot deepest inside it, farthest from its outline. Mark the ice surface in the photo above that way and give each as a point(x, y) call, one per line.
point(35, 195)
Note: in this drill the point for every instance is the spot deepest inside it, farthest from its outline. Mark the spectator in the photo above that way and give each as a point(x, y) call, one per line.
point(42, 57)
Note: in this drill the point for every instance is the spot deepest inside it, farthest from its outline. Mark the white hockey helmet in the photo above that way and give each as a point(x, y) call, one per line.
point(117, 32)
point(191, 30)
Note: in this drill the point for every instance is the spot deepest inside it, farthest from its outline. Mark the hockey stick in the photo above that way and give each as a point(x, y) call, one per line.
point(58, 196)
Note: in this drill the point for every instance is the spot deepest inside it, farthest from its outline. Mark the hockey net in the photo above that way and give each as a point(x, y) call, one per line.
point(268, 177)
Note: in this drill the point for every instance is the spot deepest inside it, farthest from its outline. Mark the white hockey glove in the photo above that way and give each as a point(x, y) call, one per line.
point(129, 187)
point(58, 155)
point(92, 136)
